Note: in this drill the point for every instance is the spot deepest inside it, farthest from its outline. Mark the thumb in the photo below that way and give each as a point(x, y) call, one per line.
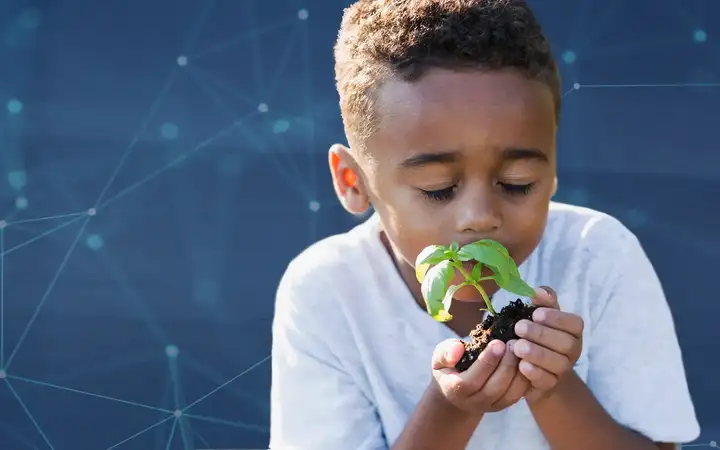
point(546, 297)
point(448, 354)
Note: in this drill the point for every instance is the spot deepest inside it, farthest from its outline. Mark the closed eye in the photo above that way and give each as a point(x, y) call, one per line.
point(440, 195)
point(517, 189)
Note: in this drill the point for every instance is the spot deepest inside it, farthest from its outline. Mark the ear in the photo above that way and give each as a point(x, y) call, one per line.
point(348, 184)
point(555, 187)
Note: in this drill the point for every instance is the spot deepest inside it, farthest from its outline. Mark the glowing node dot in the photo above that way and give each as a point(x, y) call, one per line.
point(95, 242)
point(14, 106)
point(182, 60)
point(700, 36)
point(21, 203)
point(3, 374)
point(281, 126)
point(3, 224)
point(171, 351)
point(713, 444)
point(314, 206)
point(177, 413)
point(169, 130)
point(576, 86)
point(569, 57)
point(17, 179)
point(303, 14)
point(91, 211)
point(263, 108)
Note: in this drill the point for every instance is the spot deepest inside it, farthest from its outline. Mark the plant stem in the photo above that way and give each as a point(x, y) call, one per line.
point(477, 286)
point(485, 297)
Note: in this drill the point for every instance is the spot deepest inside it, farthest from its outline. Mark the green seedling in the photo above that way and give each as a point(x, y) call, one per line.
point(436, 266)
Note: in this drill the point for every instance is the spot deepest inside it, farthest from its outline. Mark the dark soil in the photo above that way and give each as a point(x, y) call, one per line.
point(500, 326)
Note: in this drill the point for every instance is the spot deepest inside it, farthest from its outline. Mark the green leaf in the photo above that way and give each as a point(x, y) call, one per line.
point(454, 247)
point(513, 269)
point(490, 254)
point(476, 271)
point(516, 285)
point(431, 254)
point(434, 287)
point(421, 271)
point(447, 301)
point(498, 246)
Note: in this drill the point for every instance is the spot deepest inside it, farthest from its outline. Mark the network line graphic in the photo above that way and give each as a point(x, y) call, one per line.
point(259, 119)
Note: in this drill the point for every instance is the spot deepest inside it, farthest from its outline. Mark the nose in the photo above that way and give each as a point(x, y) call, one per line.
point(478, 213)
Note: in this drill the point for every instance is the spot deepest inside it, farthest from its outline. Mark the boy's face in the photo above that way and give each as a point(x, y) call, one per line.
point(458, 156)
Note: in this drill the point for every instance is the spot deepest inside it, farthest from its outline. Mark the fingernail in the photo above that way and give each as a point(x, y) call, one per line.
point(497, 349)
point(522, 348)
point(539, 315)
point(521, 327)
point(549, 290)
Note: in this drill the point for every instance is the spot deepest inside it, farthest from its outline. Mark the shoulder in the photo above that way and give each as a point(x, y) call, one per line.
point(586, 234)
point(583, 253)
point(585, 226)
point(314, 278)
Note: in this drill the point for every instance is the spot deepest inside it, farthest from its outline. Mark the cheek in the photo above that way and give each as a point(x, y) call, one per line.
point(410, 229)
point(524, 227)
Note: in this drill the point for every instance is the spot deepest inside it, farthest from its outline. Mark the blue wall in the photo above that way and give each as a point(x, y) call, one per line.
point(197, 129)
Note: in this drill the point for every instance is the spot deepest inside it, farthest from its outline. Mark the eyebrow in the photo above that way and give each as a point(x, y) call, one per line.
point(507, 155)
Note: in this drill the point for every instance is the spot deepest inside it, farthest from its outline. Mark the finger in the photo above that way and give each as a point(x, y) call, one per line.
point(539, 378)
point(457, 387)
point(445, 357)
point(517, 389)
point(555, 340)
point(545, 296)
point(559, 320)
point(447, 354)
point(480, 371)
point(499, 381)
point(542, 357)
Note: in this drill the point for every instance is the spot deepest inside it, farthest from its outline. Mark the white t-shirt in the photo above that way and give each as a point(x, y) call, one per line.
point(352, 350)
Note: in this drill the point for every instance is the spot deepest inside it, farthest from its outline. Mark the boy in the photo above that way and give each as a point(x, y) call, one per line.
point(451, 108)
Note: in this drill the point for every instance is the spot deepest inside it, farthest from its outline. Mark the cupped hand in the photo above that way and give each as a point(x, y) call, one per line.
point(492, 383)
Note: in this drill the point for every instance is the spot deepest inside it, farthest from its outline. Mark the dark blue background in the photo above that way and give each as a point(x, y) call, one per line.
point(202, 196)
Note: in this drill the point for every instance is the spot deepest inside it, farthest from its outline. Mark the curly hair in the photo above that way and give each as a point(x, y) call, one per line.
point(379, 39)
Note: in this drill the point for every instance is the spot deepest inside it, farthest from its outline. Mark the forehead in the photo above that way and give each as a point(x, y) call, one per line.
point(463, 111)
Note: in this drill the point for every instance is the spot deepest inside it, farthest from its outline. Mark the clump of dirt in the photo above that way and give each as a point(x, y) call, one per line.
point(500, 326)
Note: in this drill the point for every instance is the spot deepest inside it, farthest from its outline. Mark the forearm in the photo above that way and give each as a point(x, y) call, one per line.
point(571, 418)
point(437, 424)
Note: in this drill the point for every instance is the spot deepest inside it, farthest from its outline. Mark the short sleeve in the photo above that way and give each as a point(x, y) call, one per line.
point(315, 403)
point(635, 363)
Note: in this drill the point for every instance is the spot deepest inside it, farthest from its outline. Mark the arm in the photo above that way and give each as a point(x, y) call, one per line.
point(454, 403)
point(315, 404)
point(572, 418)
point(636, 395)
point(435, 423)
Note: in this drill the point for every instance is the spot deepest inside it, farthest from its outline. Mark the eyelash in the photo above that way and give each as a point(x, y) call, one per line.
point(447, 193)
point(440, 195)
